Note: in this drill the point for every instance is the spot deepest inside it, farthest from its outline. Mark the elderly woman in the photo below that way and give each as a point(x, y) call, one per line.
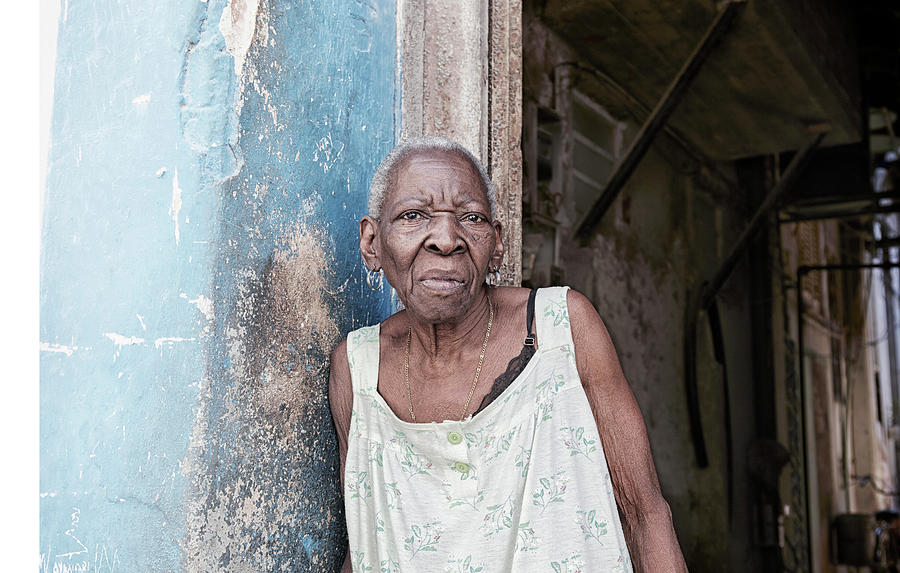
point(483, 428)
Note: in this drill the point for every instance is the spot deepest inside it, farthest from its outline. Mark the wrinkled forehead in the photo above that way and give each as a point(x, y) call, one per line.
point(437, 164)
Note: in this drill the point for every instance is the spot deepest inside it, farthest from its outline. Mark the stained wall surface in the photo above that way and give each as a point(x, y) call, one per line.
point(208, 167)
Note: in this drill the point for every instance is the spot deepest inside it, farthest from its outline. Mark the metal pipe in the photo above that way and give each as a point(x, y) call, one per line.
point(691, 392)
point(801, 378)
point(718, 340)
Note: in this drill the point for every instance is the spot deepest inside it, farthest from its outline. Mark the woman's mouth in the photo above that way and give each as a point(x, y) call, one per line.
point(443, 284)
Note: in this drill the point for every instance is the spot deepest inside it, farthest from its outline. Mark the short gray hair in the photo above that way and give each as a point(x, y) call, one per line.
point(385, 175)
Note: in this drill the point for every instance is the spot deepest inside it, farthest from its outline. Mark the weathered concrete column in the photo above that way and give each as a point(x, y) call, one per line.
point(461, 75)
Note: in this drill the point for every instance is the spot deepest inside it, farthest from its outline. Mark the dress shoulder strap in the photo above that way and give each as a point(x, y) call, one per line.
point(531, 338)
point(552, 317)
point(363, 353)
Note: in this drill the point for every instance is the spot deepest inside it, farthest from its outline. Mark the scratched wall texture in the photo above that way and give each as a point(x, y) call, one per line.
point(208, 166)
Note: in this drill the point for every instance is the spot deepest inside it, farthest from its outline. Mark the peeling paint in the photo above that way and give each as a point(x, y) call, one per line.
point(170, 340)
point(141, 100)
point(176, 205)
point(298, 315)
point(237, 26)
point(121, 340)
point(52, 347)
point(276, 349)
point(205, 306)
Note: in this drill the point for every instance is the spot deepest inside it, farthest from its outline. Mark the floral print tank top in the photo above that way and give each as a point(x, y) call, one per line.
point(522, 485)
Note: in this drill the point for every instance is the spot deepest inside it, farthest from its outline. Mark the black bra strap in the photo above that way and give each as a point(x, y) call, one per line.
point(531, 339)
point(517, 364)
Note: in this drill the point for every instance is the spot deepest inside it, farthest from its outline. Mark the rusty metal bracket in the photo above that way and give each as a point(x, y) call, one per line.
point(658, 117)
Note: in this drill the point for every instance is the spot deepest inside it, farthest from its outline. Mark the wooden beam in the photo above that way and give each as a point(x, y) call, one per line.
point(670, 99)
point(771, 201)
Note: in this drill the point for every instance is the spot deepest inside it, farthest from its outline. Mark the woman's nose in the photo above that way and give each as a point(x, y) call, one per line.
point(444, 236)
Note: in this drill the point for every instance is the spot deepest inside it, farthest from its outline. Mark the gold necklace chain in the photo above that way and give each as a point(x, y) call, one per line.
point(487, 334)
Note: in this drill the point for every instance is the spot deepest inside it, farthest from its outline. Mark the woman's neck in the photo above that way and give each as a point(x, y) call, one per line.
point(449, 339)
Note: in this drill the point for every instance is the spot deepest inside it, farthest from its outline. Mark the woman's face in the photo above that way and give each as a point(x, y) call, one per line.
point(435, 238)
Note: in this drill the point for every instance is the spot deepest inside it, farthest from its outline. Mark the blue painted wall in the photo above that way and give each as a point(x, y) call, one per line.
point(199, 260)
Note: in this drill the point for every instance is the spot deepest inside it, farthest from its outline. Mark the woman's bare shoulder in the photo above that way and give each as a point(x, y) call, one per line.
point(340, 390)
point(339, 371)
point(594, 348)
point(581, 309)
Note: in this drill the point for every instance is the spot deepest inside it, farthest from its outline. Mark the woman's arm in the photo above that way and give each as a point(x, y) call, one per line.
point(340, 398)
point(646, 518)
